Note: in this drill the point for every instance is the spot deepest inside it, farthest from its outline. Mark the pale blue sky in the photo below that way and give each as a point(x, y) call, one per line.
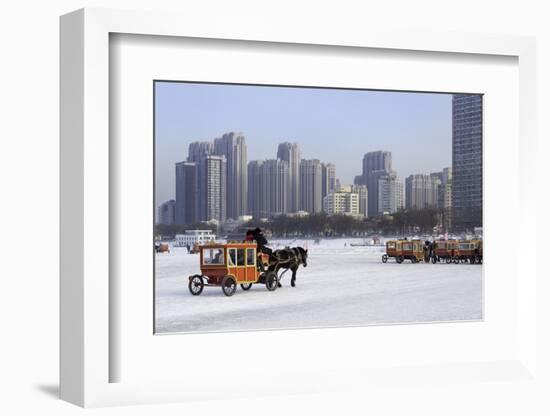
point(337, 126)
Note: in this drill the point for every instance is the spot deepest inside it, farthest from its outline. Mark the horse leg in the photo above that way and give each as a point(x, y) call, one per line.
point(293, 280)
point(277, 273)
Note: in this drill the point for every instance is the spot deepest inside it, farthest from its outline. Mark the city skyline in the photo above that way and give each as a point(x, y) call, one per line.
point(359, 121)
point(202, 181)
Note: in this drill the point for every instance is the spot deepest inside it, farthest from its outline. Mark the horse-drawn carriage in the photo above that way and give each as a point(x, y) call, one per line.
point(469, 251)
point(401, 250)
point(413, 250)
point(441, 250)
point(228, 265)
point(444, 251)
point(393, 249)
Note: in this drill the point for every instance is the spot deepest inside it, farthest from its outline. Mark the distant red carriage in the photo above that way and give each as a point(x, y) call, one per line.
point(469, 251)
point(404, 250)
point(444, 251)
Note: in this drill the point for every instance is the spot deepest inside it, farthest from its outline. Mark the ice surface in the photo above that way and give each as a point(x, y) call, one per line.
point(342, 285)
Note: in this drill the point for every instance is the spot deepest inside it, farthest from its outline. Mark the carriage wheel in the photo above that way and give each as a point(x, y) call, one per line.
point(271, 281)
point(229, 285)
point(472, 260)
point(413, 260)
point(384, 258)
point(399, 259)
point(448, 260)
point(196, 285)
point(456, 260)
point(479, 260)
point(246, 286)
point(434, 259)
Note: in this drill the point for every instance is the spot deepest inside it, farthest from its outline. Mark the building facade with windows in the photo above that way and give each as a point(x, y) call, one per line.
point(328, 185)
point(290, 152)
point(375, 165)
point(467, 170)
point(212, 189)
point(187, 193)
point(390, 192)
point(311, 182)
point(166, 212)
point(268, 188)
point(199, 150)
point(363, 193)
point(343, 203)
point(233, 147)
point(422, 191)
point(444, 197)
point(191, 237)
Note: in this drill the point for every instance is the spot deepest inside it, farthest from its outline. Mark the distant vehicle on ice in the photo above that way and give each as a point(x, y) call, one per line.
point(402, 250)
point(469, 251)
point(444, 251)
point(162, 247)
point(449, 251)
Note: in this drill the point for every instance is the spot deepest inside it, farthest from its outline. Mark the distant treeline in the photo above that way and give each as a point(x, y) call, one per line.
point(322, 225)
point(403, 222)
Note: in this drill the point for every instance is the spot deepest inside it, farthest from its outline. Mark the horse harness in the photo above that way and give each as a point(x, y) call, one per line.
point(297, 256)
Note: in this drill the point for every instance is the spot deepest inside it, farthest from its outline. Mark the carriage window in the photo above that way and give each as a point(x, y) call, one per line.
point(240, 257)
point(407, 246)
point(464, 246)
point(212, 256)
point(441, 245)
point(250, 257)
point(391, 245)
point(231, 259)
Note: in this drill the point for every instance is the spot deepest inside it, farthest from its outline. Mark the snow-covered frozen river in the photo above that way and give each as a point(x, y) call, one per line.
point(342, 285)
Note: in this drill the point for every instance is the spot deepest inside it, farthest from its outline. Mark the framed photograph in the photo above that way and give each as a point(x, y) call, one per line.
point(242, 211)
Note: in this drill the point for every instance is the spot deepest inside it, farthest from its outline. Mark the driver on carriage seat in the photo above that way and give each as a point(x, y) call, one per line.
point(261, 241)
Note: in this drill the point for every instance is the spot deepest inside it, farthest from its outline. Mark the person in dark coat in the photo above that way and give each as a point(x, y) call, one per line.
point(261, 241)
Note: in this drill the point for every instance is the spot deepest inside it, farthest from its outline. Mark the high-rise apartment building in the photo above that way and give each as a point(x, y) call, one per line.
point(276, 183)
point(290, 152)
point(199, 150)
point(166, 212)
point(467, 185)
point(187, 193)
point(212, 188)
point(422, 191)
point(328, 171)
point(390, 192)
point(379, 160)
point(311, 181)
point(444, 197)
point(255, 200)
point(362, 192)
point(233, 147)
point(375, 164)
point(343, 203)
point(268, 188)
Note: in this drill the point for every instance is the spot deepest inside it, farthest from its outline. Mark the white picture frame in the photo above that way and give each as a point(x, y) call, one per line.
point(86, 305)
